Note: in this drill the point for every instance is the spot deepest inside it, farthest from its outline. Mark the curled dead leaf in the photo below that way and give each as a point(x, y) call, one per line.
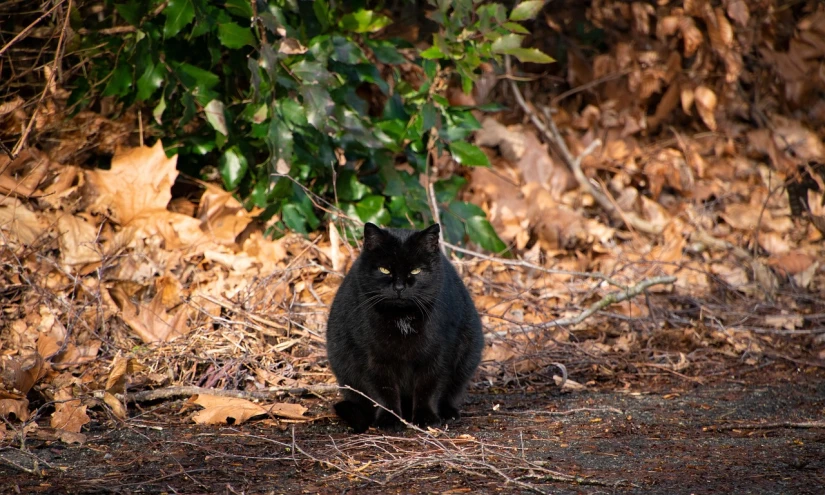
point(706, 101)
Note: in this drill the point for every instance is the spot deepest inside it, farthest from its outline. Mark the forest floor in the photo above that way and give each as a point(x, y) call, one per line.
point(752, 431)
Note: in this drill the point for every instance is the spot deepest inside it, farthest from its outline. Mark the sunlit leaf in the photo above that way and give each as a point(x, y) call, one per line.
point(468, 154)
point(178, 13)
point(233, 167)
point(533, 55)
point(526, 10)
point(364, 21)
point(215, 116)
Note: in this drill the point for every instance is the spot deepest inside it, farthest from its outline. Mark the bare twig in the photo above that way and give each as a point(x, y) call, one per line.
point(767, 426)
point(552, 134)
point(531, 266)
point(612, 298)
point(51, 75)
point(437, 219)
point(25, 31)
point(185, 391)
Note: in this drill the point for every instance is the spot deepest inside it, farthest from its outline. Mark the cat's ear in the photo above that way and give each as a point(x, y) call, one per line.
point(373, 236)
point(428, 238)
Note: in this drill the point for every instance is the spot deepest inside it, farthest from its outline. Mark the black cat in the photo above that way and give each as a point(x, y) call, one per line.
point(403, 330)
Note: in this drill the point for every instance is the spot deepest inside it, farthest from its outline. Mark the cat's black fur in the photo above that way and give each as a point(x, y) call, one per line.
point(409, 341)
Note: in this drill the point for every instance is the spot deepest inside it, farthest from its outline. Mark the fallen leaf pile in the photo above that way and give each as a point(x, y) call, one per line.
point(711, 122)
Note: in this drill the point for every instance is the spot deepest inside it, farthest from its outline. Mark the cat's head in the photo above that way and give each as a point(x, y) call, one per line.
point(401, 267)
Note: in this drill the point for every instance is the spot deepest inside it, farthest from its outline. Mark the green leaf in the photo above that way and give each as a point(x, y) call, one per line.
point(447, 190)
point(371, 209)
point(233, 167)
point(321, 10)
point(196, 78)
point(234, 36)
point(364, 21)
point(318, 105)
point(240, 8)
point(515, 27)
point(215, 116)
point(120, 80)
point(151, 80)
point(468, 154)
point(132, 12)
point(178, 13)
point(385, 52)
point(526, 10)
point(157, 112)
point(348, 187)
point(483, 234)
point(507, 42)
point(432, 53)
point(476, 225)
point(294, 218)
point(530, 55)
point(344, 50)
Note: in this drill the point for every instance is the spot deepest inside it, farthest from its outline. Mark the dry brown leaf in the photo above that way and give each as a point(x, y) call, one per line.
point(498, 352)
point(117, 407)
point(139, 181)
point(222, 215)
point(705, 100)
point(69, 415)
point(691, 36)
point(122, 367)
point(75, 355)
point(18, 223)
point(738, 11)
point(22, 176)
point(734, 276)
point(70, 436)
point(796, 140)
point(21, 374)
point(791, 263)
point(18, 407)
point(774, 243)
point(805, 277)
point(152, 323)
point(744, 217)
point(219, 410)
point(79, 241)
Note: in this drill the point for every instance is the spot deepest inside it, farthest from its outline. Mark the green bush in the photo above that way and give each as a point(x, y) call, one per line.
point(278, 95)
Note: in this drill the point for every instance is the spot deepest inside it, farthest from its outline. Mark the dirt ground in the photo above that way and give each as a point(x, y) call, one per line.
point(744, 434)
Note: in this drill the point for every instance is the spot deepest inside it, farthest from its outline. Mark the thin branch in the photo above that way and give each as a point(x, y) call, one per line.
point(531, 266)
point(552, 134)
point(437, 219)
point(612, 298)
point(767, 426)
point(28, 28)
point(186, 391)
point(51, 75)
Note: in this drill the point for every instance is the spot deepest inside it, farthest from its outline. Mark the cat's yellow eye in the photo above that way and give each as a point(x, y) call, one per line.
point(383, 270)
point(416, 271)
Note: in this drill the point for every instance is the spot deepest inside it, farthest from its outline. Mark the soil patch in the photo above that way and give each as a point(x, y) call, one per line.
point(730, 436)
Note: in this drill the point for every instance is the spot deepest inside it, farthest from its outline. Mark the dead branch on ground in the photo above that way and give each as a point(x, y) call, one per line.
point(186, 391)
point(553, 135)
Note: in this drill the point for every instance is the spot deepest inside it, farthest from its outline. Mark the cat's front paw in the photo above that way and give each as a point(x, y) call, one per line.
point(425, 417)
point(448, 412)
point(354, 415)
point(387, 420)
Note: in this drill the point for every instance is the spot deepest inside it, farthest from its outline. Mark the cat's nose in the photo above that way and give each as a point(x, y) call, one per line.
point(399, 287)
